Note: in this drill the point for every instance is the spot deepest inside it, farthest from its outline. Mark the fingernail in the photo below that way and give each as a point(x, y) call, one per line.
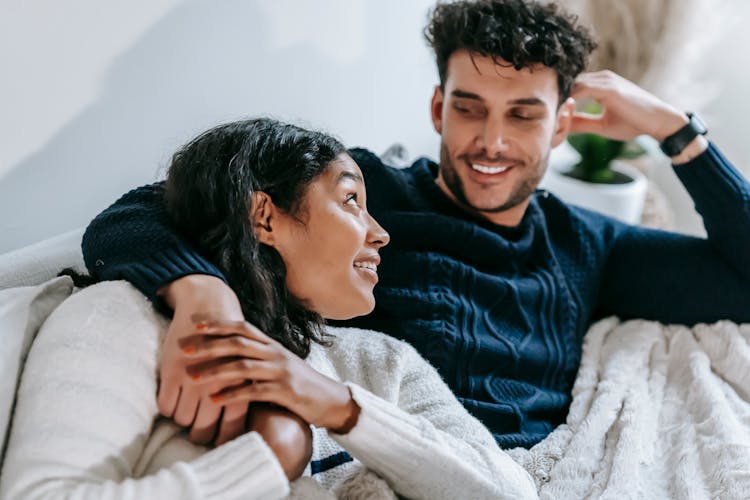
point(215, 399)
point(188, 349)
point(201, 326)
point(195, 376)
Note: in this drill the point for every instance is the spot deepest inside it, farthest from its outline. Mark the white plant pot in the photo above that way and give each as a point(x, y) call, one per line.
point(621, 201)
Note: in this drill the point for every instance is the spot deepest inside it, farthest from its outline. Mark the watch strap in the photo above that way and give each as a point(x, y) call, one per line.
point(675, 143)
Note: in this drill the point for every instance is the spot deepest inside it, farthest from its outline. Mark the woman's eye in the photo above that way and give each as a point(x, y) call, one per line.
point(351, 199)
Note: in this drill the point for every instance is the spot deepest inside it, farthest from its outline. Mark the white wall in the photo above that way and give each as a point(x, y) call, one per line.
point(726, 70)
point(96, 94)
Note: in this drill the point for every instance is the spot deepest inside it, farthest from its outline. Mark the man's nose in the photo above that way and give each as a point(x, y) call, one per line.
point(494, 138)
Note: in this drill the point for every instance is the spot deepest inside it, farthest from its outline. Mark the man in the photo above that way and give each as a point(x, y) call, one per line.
point(493, 282)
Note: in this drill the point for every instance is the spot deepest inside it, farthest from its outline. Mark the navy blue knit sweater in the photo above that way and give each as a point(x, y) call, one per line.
point(501, 312)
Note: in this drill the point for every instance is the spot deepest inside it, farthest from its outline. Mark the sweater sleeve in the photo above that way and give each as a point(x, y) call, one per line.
point(428, 446)
point(675, 278)
point(86, 405)
point(133, 240)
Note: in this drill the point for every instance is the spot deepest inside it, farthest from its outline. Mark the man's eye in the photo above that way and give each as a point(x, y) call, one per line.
point(470, 111)
point(524, 117)
point(463, 110)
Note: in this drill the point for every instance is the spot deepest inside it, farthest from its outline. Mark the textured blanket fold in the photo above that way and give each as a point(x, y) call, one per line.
point(658, 412)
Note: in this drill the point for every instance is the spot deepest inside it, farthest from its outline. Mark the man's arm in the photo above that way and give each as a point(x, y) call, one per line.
point(672, 278)
point(133, 240)
point(666, 276)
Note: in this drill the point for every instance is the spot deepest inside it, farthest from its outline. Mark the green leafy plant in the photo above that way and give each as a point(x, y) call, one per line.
point(597, 153)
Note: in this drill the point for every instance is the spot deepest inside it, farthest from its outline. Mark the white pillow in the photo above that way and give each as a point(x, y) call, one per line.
point(37, 263)
point(23, 310)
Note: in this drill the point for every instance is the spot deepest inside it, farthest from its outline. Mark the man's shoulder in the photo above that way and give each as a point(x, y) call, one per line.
point(365, 156)
point(373, 166)
point(387, 186)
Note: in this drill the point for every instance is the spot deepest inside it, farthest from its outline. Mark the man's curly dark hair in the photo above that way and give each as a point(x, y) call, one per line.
point(517, 33)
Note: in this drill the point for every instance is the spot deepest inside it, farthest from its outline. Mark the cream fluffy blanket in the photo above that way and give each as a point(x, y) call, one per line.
point(657, 412)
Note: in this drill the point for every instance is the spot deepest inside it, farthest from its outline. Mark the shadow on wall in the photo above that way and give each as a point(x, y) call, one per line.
point(202, 63)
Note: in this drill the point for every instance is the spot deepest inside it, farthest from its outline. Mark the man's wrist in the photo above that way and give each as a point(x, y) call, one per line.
point(672, 122)
point(693, 149)
point(687, 141)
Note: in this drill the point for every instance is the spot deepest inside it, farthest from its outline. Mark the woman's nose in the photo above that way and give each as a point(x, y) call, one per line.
point(376, 235)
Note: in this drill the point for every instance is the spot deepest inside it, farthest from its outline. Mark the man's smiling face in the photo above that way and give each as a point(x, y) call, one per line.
point(497, 127)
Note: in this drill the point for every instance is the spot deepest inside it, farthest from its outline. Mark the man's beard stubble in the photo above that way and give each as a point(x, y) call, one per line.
point(518, 195)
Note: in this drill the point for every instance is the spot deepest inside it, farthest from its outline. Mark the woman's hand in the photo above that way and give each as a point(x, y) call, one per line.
point(252, 367)
point(179, 398)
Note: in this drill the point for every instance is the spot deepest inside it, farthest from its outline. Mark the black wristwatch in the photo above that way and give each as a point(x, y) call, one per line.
point(675, 143)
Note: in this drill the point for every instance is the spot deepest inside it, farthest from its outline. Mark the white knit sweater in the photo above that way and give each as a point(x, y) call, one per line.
point(86, 422)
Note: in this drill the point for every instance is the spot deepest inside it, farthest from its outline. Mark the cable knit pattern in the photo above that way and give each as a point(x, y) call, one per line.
point(161, 254)
point(500, 312)
point(86, 426)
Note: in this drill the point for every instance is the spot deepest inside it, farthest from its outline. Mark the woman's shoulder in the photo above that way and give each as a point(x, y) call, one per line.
point(361, 343)
point(368, 358)
point(107, 290)
point(109, 305)
point(119, 296)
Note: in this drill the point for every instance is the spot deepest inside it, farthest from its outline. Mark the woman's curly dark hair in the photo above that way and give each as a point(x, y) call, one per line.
point(517, 33)
point(208, 194)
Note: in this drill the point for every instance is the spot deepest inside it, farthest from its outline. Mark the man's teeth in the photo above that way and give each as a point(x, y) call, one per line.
point(367, 265)
point(488, 170)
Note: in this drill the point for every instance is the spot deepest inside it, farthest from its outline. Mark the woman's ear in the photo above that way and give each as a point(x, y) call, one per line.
point(262, 211)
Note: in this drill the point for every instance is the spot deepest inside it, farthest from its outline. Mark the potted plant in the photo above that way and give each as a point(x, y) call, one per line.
point(593, 175)
point(597, 156)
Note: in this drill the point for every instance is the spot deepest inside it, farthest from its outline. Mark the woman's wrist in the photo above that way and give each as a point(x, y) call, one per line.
point(346, 415)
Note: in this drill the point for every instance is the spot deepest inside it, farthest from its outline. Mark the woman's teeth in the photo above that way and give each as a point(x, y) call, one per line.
point(488, 170)
point(367, 265)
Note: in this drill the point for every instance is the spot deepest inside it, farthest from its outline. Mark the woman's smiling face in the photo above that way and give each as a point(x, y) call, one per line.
point(330, 248)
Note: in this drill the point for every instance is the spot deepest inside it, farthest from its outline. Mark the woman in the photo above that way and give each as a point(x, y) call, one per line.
point(282, 210)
